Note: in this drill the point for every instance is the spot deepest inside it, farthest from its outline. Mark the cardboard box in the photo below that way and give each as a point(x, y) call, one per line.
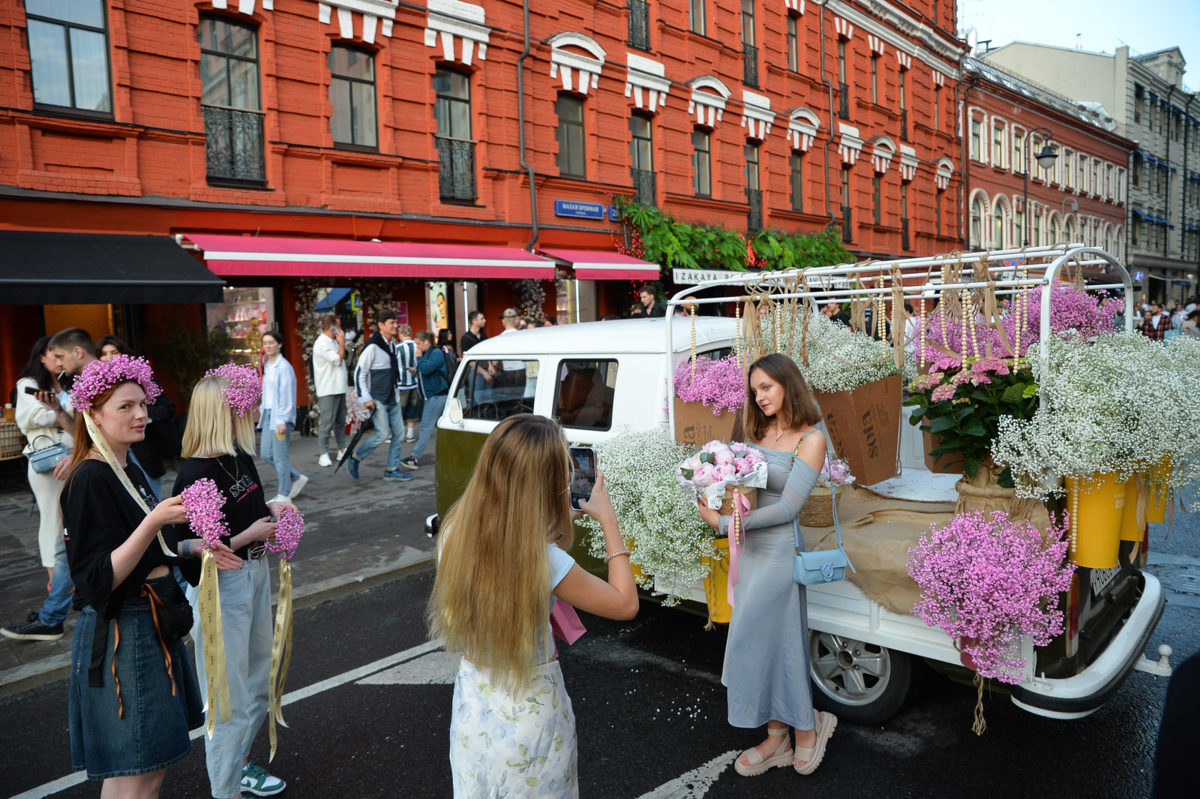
point(695, 424)
point(864, 427)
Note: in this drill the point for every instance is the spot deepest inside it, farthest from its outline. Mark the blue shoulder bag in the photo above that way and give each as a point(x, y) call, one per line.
point(824, 566)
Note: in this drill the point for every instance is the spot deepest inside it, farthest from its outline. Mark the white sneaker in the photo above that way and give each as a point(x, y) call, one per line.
point(409, 437)
point(298, 485)
point(324, 460)
point(286, 500)
point(341, 455)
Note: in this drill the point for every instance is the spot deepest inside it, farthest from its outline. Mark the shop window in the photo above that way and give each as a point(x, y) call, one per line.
point(495, 390)
point(454, 142)
point(352, 94)
point(230, 102)
point(570, 134)
point(68, 53)
point(584, 396)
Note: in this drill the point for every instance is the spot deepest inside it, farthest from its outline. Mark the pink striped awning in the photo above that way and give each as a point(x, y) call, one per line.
point(604, 265)
point(263, 256)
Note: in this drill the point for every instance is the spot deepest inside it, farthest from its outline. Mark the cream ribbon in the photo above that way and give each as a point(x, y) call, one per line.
point(281, 653)
point(208, 601)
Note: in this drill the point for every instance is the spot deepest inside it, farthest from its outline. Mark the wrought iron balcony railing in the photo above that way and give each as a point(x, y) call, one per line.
point(456, 177)
point(645, 187)
point(639, 24)
point(754, 219)
point(233, 150)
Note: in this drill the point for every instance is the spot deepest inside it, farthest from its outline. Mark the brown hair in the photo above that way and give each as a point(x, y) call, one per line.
point(798, 407)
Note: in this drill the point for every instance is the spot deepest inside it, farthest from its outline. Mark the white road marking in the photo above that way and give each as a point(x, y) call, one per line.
point(435, 668)
point(71, 780)
point(695, 783)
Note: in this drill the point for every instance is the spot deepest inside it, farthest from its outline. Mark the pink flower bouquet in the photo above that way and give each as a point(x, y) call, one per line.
point(719, 385)
point(835, 472)
point(719, 465)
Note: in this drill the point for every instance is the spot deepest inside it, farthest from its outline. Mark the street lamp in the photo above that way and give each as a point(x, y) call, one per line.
point(1045, 159)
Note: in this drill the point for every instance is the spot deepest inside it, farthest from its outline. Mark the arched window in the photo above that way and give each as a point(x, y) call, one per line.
point(977, 222)
point(1054, 228)
point(1070, 229)
point(999, 226)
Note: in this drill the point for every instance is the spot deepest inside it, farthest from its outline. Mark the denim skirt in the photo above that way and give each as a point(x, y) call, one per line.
point(152, 730)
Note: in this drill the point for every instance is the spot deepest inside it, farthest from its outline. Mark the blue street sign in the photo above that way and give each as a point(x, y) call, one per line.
point(1138, 276)
point(578, 210)
point(613, 214)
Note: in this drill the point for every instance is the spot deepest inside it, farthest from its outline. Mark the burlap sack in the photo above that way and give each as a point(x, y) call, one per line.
point(983, 493)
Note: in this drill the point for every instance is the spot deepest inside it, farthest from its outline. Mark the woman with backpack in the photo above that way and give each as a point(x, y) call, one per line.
point(434, 366)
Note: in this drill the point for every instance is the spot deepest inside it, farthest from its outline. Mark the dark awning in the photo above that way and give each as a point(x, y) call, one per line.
point(75, 268)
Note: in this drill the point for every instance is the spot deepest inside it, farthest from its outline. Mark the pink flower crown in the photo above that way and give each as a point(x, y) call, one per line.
point(244, 388)
point(99, 376)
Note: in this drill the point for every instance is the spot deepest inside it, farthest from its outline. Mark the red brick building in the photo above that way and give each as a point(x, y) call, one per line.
point(1078, 197)
point(411, 133)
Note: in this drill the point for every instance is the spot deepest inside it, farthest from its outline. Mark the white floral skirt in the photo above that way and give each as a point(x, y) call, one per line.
point(505, 745)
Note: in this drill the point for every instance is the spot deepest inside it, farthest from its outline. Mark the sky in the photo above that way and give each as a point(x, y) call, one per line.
point(1102, 25)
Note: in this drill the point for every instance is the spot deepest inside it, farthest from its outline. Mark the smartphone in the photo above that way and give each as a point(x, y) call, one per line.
point(31, 390)
point(583, 474)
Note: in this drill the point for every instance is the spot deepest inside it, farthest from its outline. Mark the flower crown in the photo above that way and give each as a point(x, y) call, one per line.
point(244, 387)
point(100, 376)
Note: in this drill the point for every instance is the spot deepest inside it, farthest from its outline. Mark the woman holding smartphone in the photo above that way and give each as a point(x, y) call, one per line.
point(502, 564)
point(766, 652)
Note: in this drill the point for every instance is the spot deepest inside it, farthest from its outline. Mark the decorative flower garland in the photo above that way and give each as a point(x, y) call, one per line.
point(244, 389)
point(100, 376)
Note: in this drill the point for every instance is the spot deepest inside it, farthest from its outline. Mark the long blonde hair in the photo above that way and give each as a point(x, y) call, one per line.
point(213, 428)
point(491, 598)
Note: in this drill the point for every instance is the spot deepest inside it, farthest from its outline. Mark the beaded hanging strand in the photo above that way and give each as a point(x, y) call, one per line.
point(737, 315)
point(964, 298)
point(969, 318)
point(921, 329)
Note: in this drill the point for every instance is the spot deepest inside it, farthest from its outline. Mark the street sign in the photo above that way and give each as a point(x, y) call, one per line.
point(1138, 276)
point(578, 210)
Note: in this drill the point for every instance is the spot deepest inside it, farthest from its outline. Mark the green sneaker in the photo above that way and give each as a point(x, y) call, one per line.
point(257, 781)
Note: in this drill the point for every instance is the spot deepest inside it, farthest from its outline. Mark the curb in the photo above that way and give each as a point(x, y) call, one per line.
point(409, 561)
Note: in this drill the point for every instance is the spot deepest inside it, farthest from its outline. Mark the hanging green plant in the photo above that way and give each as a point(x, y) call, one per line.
point(657, 236)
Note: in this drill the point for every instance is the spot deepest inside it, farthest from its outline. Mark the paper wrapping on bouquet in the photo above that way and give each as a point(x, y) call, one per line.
point(864, 427)
point(741, 503)
point(695, 423)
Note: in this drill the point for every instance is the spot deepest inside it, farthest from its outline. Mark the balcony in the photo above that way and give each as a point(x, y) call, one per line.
point(843, 101)
point(639, 24)
point(754, 218)
point(233, 149)
point(645, 187)
point(847, 225)
point(903, 124)
point(750, 65)
point(905, 244)
point(456, 178)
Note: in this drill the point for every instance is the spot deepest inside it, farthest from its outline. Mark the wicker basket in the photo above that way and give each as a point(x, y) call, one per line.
point(747, 491)
point(11, 440)
point(818, 510)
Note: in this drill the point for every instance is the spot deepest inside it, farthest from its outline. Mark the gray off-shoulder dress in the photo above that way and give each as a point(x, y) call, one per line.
point(766, 654)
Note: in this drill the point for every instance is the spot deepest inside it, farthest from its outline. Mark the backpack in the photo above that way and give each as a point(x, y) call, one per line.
point(451, 362)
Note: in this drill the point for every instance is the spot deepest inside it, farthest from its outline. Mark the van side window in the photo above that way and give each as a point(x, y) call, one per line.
point(496, 389)
point(584, 395)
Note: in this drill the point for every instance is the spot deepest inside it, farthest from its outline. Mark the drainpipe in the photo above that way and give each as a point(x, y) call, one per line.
point(525, 164)
point(832, 111)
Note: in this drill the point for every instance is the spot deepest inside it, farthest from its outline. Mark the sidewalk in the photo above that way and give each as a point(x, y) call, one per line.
point(358, 533)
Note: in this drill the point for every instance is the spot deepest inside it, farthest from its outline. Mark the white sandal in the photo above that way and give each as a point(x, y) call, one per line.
point(813, 755)
point(759, 764)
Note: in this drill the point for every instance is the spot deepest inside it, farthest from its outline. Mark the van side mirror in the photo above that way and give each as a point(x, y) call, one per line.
point(454, 411)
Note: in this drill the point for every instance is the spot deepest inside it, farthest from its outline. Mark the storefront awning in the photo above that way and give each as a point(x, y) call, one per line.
point(330, 300)
point(604, 265)
point(261, 256)
point(45, 268)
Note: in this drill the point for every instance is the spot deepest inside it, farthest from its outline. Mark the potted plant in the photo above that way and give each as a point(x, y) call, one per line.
point(709, 395)
point(856, 383)
point(989, 581)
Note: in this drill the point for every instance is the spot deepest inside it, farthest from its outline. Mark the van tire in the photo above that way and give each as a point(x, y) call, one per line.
point(860, 682)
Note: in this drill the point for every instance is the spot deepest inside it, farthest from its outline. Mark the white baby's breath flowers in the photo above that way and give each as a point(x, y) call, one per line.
point(839, 358)
point(668, 536)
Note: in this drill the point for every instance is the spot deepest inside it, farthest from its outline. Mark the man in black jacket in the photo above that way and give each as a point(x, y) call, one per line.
point(647, 306)
point(475, 321)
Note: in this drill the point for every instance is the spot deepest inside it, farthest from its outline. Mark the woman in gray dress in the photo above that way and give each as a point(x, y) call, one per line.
point(766, 655)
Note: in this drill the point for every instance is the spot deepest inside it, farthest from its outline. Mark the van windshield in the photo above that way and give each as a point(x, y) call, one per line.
point(497, 389)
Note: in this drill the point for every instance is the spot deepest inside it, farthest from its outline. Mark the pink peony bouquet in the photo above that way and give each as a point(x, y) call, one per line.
point(835, 472)
point(718, 465)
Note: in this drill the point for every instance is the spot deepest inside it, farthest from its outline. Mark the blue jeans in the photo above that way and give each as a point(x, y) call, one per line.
point(385, 417)
point(275, 452)
point(429, 417)
point(54, 610)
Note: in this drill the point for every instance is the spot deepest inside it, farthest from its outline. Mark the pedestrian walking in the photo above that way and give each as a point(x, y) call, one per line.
point(766, 652)
point(278, 417)
point(433, 365)
point(408, 389)
point(133, 696)
point(512, 727)
point(38, 390)
point(329, 379)
point(218, 445)
point(376, 381)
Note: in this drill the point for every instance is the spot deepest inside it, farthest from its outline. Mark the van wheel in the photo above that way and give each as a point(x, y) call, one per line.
point(860, 682)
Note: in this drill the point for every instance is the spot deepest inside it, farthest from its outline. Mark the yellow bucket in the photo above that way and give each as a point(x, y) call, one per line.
point(717, 582)
point(1160, 495)
point(1097, 507)
point(1132, 528)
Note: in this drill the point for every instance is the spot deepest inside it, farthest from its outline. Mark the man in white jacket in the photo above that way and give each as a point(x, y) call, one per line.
point(329, 377)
